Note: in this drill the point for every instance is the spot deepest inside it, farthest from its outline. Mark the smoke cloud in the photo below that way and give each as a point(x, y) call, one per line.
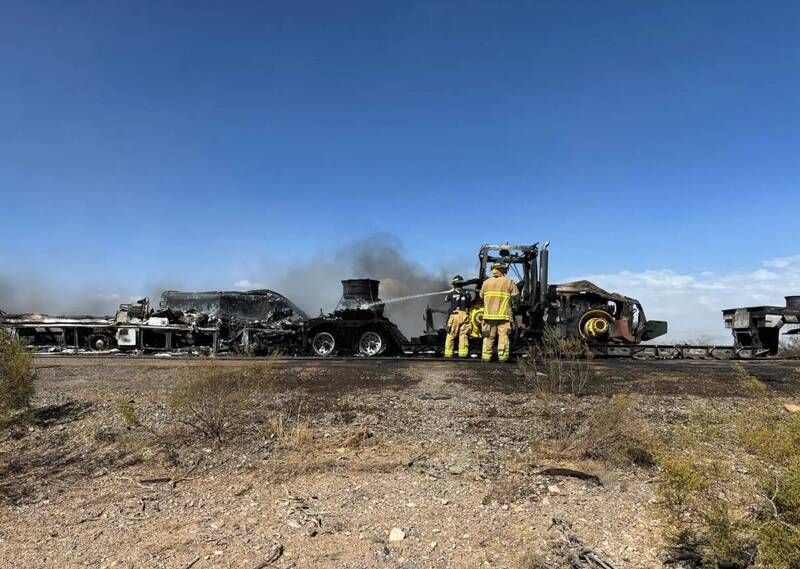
point(317, 285)
point(34, 293)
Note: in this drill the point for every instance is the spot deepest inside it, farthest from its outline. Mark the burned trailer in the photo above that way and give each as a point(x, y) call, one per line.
point(140, 328)
point(757, 329)
point(255, 322)
point(357, 326)
point(43, 332)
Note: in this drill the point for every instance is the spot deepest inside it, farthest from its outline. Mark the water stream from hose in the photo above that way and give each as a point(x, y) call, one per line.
point(402, 298)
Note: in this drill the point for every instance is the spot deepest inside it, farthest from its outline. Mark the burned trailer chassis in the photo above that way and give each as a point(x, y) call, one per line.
point(106, 337)
point(98, 337)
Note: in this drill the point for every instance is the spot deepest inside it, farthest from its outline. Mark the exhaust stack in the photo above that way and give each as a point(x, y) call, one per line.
point(360, 293)
point(544, 263)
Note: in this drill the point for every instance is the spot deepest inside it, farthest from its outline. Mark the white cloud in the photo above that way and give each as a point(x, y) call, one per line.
point(248, 284)
point(783, 262)
point(692, 303)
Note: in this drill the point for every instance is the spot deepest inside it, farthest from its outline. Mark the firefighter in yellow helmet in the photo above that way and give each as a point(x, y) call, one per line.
point(498, 293)
point(458, 324)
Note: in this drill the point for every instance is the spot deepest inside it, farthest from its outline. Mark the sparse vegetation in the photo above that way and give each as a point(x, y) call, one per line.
point(698, 518)
point(16, 375)
point(469, 445)
point(724, 522)
point(557, 365)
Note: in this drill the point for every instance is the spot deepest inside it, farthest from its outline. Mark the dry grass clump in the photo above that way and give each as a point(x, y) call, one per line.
point(289, 432)
point(557, 365)
point(749, 382)
point(128, 413)
point(16, 374)
point(609, 431)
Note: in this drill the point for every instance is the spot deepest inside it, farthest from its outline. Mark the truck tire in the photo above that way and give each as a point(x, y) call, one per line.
point(371, 343)
point(324, 344)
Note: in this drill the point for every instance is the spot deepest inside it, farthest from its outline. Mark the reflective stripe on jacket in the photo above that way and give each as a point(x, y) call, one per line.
point(497, 294)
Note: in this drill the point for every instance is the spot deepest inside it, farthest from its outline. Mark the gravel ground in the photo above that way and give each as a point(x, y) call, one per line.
point(399, 465)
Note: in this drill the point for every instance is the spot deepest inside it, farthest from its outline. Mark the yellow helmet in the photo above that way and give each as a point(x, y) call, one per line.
point(500, 267)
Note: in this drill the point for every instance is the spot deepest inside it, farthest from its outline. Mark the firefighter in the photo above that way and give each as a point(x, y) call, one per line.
point(498, 293)
point(458, 324)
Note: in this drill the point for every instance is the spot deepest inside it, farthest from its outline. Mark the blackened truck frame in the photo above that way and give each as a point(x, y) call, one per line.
point(567, 308)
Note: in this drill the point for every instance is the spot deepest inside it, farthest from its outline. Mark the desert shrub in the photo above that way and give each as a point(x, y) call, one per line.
point(609, 431)
point(681, 482)
point(778, 545)
point(775, 440)
point(557, 365)
point(210, 400)
point(16, 374)
point(697, 518)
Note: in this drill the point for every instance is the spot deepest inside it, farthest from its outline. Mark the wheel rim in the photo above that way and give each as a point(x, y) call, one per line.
point(100, 344)
point(324, 343)
point(370, 344)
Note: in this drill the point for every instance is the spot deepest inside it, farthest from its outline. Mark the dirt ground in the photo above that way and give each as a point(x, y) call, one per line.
point(441, 455)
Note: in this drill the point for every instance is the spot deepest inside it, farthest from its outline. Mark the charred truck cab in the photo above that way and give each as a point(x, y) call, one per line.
point(357, 326)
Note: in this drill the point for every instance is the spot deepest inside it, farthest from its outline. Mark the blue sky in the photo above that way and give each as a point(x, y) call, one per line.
point(209, 142)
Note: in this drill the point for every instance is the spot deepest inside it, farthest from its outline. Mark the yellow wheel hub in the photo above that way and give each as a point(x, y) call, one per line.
point(596, 325)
